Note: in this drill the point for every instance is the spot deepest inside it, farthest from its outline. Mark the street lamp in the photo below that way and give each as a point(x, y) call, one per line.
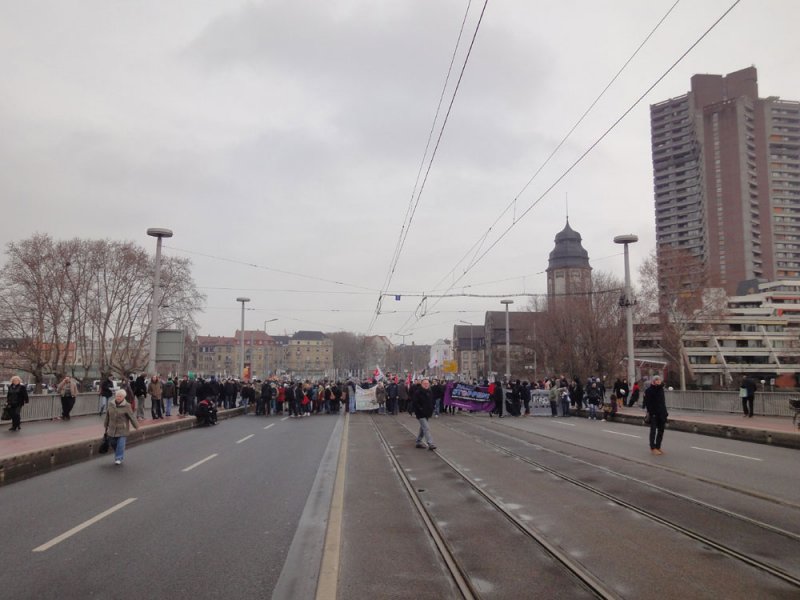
point(266, 371)
point(628, 303)
point(471, 347)
point(508, 341)
point(269, 321)
point(241, 354)
point(159, 233)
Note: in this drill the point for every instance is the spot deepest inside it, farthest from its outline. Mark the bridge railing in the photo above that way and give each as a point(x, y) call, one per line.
point(768, 404)
point(45, 407)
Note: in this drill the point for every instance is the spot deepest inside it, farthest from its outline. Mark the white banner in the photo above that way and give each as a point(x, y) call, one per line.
point(365, 399)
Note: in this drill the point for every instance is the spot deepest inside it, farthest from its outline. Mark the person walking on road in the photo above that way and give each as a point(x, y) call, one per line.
point(68, 391)
point(422, 403)
point(656, 406)
point(16, 398)
point(119, 418)
point(748, 395)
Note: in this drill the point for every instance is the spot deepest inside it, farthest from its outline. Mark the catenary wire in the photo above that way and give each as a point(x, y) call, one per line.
point(404, 232)
point(265, 268)
point(478, 243)
point(478, 257)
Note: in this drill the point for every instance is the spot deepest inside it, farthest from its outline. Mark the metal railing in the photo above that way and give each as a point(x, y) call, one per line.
point(45, 407)
point(767, 404)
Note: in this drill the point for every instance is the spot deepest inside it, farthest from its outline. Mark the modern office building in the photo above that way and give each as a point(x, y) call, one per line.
point(726, 168)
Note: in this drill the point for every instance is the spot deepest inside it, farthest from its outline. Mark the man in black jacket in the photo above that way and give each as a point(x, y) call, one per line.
point(422, 403)
point(656, 406)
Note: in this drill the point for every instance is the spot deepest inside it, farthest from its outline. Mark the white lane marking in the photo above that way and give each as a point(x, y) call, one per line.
point(563, 423)
point(83, 526)
point(199, 462)
point(618, 433)
point(727, 454)
point(284, 418)
point(268, 426)
point(244, 439)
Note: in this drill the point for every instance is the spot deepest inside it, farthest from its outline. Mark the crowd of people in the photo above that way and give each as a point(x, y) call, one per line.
point(202, 398)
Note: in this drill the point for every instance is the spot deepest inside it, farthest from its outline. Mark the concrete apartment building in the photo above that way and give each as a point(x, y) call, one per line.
point(726, 168)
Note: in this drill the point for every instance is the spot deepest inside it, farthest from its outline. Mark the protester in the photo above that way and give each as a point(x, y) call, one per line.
point(656, 406)
point(594, 398)
point(380, 397)
point(634, 397)
point(68, 391)
point(119, 418)
point(16, 398)
point(155, 390)
point(498, 396)
point(748, 395)
point(140, 391)
point(422, 402)
point(206, 412)
point(106, 392)
point(168, 393)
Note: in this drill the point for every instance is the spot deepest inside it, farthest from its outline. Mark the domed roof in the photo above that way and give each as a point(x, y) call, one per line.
point(569, 252)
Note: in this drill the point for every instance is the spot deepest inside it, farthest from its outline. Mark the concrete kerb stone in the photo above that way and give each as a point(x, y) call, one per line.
point(36, 462)
point(759, 436)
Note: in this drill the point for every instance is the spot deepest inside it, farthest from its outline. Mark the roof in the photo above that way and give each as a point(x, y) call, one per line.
point(309, 336)
point(569, 251)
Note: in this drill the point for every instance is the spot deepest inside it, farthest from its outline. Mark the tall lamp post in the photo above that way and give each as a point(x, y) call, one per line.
point(508, 342)
point(241, 353)
point(628, 303)
point(471, 347)
point(159, 233)
point(266, 371)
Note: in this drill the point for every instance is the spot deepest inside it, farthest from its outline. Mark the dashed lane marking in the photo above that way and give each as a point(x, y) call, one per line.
point(268, 426)
point(199, 462)
point(625, 434)
point(728, 454)
point(563, 423)
point(244, 439)
point(284, 418)
point(83, 526)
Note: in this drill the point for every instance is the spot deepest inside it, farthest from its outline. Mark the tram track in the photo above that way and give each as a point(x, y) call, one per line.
point(782, 502)
point(721, 547)
point(571, 568)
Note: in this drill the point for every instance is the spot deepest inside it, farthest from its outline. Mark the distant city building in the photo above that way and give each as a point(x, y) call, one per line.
point(726, 171)
point(522, 334)
point(306, 354)
point(441, 351)
point(469, 350)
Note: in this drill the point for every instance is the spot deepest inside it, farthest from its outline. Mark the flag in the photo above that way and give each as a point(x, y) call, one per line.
point(378, 373)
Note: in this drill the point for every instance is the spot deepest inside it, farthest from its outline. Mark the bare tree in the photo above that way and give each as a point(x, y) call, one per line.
point(85, 304)
point(676, 285)
point(584, 333)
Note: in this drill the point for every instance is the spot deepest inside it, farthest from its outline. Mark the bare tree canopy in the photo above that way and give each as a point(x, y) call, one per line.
point(584, 334)
point(80, 306)
point(675, 286)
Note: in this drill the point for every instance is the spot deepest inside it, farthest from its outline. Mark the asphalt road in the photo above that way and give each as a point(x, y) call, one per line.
point(183, 528)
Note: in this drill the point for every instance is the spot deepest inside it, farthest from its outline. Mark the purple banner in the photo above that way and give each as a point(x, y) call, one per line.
point(468, 397)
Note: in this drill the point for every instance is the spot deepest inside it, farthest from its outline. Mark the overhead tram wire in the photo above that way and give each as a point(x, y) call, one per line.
point(415, 203)
point(477, 245)
point(397, 248)
point(257, 266)
point(569, 169)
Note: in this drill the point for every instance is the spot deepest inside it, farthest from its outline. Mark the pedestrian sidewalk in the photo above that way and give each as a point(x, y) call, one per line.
point(778, 431)
point(40, 435)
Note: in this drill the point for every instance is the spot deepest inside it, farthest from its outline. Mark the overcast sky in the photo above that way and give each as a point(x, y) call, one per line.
point(289, 134)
